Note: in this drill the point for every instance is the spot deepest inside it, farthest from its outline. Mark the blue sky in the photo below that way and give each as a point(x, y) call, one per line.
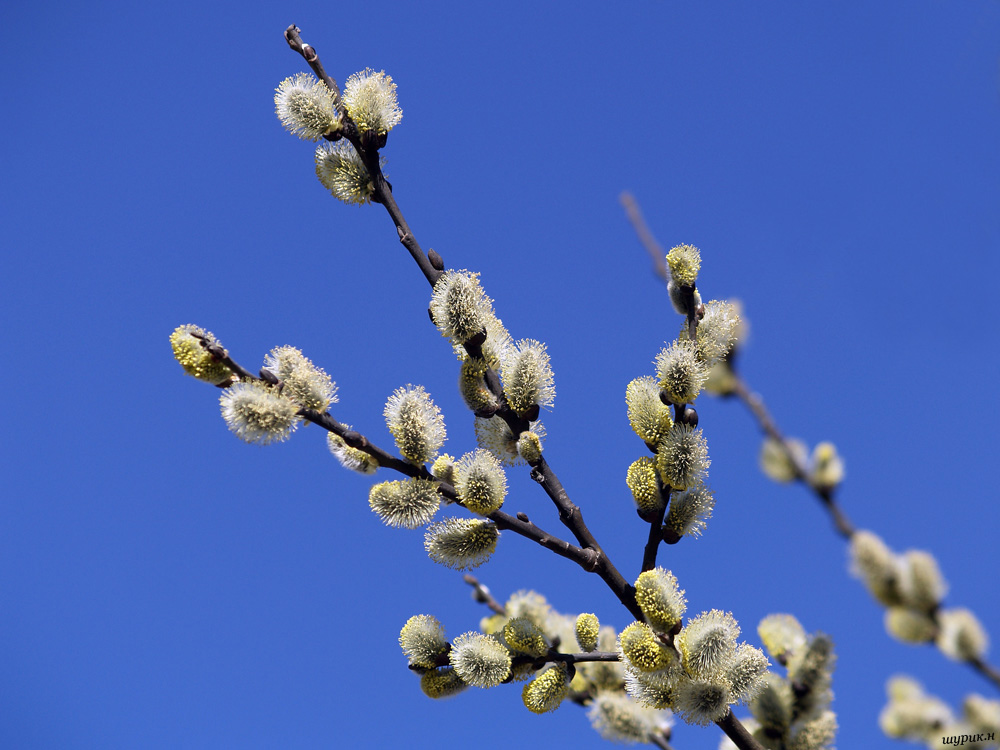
point(163, 585)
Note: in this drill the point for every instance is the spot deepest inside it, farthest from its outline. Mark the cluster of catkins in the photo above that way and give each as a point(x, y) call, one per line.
point(309, 109)
point(267, 410)
point(463, 313)
point(914, 715)
point(911, 587)
point(697, 669)
point(674, 477)
point(264, 410)
point(793, 712)
point(524, 645)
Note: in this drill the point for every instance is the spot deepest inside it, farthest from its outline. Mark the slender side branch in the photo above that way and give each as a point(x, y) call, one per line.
point(556, 656)
point(656, 252)
point(310, 56)
point(482, 594)
point(368, 151)
point(756, 405)
point(572, 517)
point(988, 671)
point(588, 559)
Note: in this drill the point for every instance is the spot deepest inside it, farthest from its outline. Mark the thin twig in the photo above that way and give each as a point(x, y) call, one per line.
point(482, 594)
point(755, 403)
point(646, 237)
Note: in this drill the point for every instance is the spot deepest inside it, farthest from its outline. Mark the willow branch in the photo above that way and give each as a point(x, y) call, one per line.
point(656, 252)
point(310, 56)
point(569, 513)
point(737, 732)
point(482, 594)
point(755, 403)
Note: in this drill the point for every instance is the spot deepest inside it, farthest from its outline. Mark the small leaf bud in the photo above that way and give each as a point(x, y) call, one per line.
point(480, 482)
point(256, 413)
point(435, 259)
point(188, 343)
point(423, 642)
point(546, 692)
point(409, 503)
point(587, 629)
point(661, 600)
point(370, 99)
point(305, 107)
point(415, 422)
point(480, 660)
point(461, 543)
